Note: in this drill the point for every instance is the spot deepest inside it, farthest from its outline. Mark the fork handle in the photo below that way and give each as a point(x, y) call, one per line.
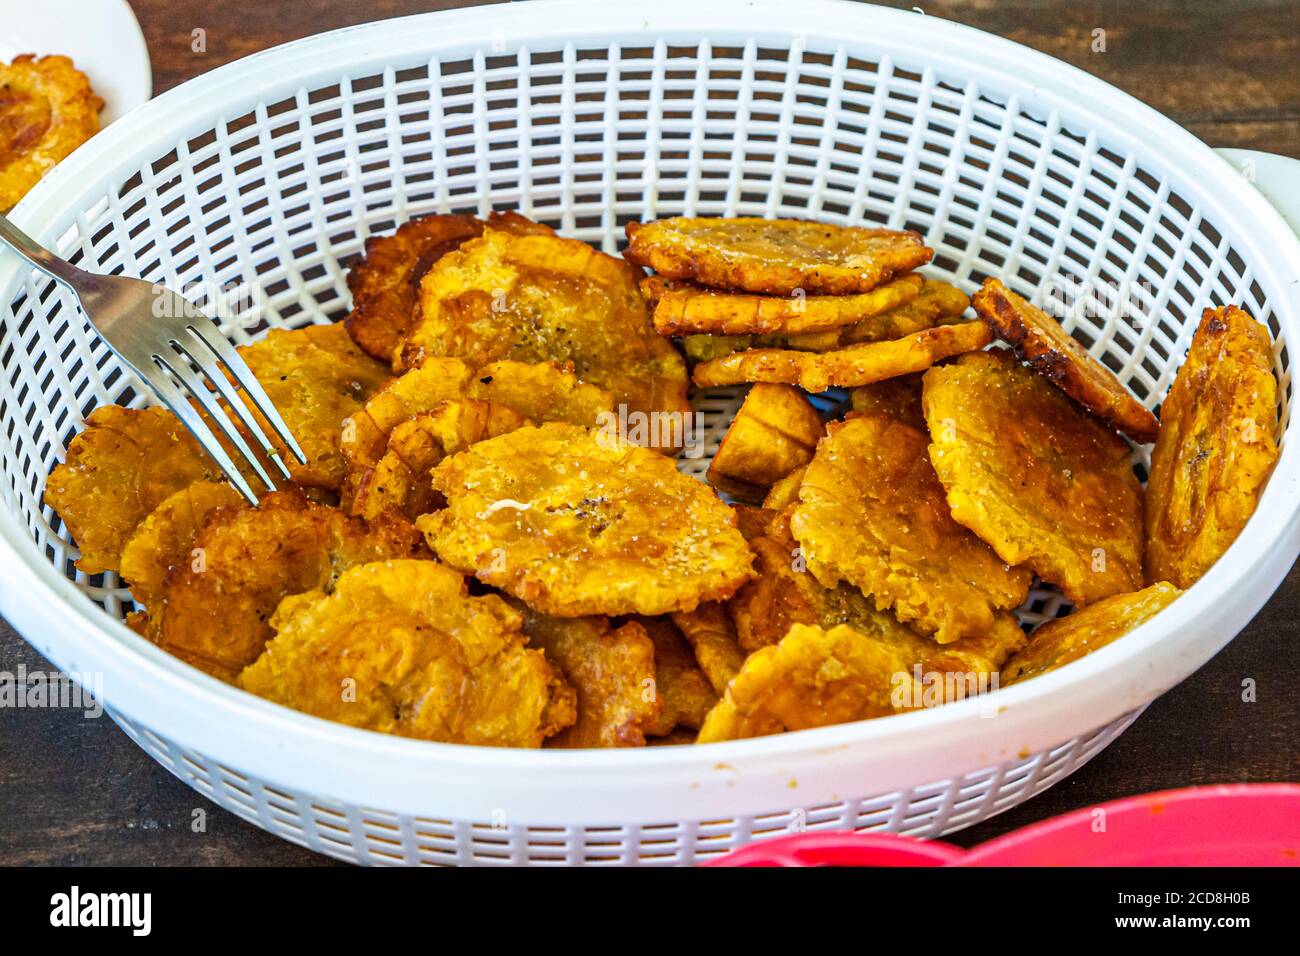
point(39, 256)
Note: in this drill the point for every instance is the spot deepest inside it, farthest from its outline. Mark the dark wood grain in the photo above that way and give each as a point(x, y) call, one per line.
point(1225, 70)
point(77, 791)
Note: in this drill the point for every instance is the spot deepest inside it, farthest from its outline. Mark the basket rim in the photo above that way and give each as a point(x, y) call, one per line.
point(1112, 681)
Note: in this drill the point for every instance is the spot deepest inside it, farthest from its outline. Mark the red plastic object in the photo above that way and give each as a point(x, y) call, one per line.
point(1233, 825)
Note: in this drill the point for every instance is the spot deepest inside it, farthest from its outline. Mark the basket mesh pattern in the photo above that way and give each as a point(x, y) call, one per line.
point(280, 198)
point(379, 837)
point(587, 139)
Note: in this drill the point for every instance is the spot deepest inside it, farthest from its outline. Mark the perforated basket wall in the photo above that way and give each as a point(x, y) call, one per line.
point(381, 837)
point(279, 189)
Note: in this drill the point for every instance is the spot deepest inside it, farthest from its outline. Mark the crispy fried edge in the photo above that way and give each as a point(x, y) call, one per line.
point(853, 366)
point(1060, 636)
point(1055, 354)
point(686, 311)
point(384, 282)
point(715, 268)
point(1215, 324)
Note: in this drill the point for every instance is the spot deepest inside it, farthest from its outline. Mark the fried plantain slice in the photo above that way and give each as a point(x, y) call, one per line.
point(121, 466)
point(775, 256)
point(365, 433)
point(899, 398)
point(612, 673)
point(785, 491)
point(937, 303)
point(401, 648)
point(763, 610)
point(1039, 479)
point(774, 432)
point(575, 522)
point(680, 684)
point(403, 478)
point(316, 377)
point(682, 311)
point(215, 608)
point(1069, 638)
point(541, 391)
point(385, 281)
point(543, 298)
point(166, 537)
point(1216, 447)
point(706, 348)
point(1053, 353)
point(847, 367)
point(871, 512)
point(47, 109)
point(785, 593)
point(517, 224)
point(752, 521)
point(709, 631)
point(812, 678)
point(654, 287)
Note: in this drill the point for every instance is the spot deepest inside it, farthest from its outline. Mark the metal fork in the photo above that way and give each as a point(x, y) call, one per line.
point(160, 334)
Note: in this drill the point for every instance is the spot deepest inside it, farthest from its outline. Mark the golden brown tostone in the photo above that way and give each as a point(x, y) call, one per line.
point(1046, 484)
point(1216, 447)
point(775, 256)
point(1053, 352)
point(47, 109)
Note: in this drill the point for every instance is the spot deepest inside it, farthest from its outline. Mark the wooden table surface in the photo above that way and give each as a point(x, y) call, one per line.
point(77, 791)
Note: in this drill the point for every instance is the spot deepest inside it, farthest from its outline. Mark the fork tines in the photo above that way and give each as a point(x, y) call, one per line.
point(204, 362)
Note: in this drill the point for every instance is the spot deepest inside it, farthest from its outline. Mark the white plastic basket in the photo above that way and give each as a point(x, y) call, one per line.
point(587, 114)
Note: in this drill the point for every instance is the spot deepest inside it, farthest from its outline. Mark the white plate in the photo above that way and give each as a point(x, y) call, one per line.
point(102, 37)
point(1277, 177)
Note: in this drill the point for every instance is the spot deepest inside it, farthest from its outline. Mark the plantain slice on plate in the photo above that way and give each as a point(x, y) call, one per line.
point(47, 109)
